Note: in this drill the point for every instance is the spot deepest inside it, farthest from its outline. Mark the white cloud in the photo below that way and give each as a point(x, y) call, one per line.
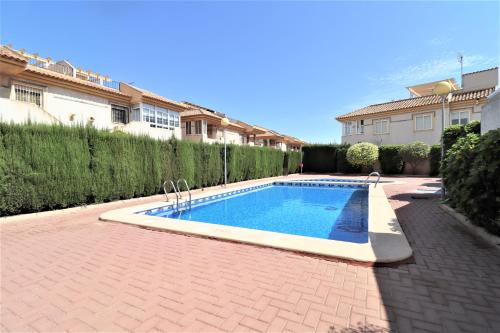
point(444, 67)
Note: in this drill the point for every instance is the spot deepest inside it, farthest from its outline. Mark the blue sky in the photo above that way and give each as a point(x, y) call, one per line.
point(288, 66)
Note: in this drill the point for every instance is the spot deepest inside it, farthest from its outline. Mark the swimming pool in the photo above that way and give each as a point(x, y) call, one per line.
point(327, 212)
point(343, 220)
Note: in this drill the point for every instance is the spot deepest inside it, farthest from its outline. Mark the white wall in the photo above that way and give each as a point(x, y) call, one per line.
point(69, 107)
point(402, 128)
point(480, 80)
point(57, 106)
point(143, 128)
point(490, 115)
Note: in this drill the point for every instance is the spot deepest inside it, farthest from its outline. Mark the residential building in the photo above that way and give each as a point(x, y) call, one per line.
point(40, 90)
point(418, 118)
point(202, 124)
point(490, 113)
point(205, 125)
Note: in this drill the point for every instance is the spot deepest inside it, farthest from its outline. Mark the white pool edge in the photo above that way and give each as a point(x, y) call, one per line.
point(387, 242)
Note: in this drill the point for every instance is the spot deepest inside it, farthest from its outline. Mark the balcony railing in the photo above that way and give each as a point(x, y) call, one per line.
point(68, 70)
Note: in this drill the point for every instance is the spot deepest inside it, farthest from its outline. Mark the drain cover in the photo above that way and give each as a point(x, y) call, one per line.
point(331, 208)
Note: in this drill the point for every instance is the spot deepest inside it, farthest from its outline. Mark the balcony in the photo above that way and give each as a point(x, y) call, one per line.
point(65, 68)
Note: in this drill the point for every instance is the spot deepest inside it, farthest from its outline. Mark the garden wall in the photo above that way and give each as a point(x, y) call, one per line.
point(46, 167)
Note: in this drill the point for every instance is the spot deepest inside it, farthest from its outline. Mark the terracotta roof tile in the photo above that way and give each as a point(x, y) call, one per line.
point(147, 93)
point(56, 75)
point(410, 103)
point(5, 52)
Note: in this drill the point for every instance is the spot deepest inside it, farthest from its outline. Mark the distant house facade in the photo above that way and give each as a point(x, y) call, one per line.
point(418, 118)
point(41, 90)
point(204, 125)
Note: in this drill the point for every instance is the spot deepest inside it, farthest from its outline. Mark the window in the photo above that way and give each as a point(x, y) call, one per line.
point(29, 94)
point(381, 126)
point(119, 114)
point(460, 117)
point(197, 127)
point(423, 122)
point(188, 128)
point(175, 115)
point(148, 113)
point(348, 128)
point(136, 113)
point(161, 117)
point(360, 126)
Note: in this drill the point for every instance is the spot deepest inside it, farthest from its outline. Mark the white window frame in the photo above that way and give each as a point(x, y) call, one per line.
point(459, 116)
point(423, 116)
point(360, 126)
point(348, 128)
point(385, 120)
point(28, 86)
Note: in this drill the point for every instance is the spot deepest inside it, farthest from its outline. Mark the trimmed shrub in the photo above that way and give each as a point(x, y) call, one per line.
point(343, 165)
point(414, 153)
point(49, 167)
point(483, 184)
point(473, 127)
point(291, 162)
point(454, 132)
point(435, 160)
point(362, 154)
point(320, 158)
point(472, 178)
point(390, 159)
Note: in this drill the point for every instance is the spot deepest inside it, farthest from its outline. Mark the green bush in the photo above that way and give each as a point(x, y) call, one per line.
point(435, 160)
point(390, 159)
point(48, 167)
point(343, 165)
point(414, 153)
point(472, 178)
point(362, 154)
point(473, 127)
point(320, 158)
point(483, 184)
point(291, 163)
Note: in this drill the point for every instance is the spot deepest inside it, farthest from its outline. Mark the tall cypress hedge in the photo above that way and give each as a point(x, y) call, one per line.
point(46, 167)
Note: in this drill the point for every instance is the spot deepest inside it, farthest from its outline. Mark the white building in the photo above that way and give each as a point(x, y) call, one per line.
point(419, 118)
point(40, 90)
point(43, 91)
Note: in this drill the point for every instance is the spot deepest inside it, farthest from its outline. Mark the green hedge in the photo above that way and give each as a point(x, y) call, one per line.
point(327, 158)
point(472, 178)
point(46, 167)
point(320, 158)
point(435, 160)
point(390, 160)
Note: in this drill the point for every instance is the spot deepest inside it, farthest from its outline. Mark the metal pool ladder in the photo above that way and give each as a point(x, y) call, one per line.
point(374, 173)
point(179, 190)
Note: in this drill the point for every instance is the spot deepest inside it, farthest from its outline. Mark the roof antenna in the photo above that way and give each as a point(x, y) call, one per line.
point(460, 59)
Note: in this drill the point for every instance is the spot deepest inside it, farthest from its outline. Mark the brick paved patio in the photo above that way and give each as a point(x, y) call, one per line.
point(72, 272)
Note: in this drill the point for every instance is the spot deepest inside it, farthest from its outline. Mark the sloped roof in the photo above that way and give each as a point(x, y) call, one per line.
point(6, 52)
point(67, 78)
point(409, 103)
point(152, 95)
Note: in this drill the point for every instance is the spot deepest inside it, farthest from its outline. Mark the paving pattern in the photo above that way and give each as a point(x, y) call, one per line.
point(71, 272)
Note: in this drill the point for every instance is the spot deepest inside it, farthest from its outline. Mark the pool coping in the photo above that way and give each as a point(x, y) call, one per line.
point(386, 240)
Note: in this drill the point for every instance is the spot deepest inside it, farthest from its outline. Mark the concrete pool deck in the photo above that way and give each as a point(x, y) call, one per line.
point(67, 271)
point(386, 240)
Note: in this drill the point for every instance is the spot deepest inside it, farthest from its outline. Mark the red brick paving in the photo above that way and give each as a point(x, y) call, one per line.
point(71, 272)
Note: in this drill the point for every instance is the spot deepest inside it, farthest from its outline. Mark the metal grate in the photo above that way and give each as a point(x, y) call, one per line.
point(28, 94)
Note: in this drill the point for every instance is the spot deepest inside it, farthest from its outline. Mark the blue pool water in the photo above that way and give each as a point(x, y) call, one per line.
point(337, 213)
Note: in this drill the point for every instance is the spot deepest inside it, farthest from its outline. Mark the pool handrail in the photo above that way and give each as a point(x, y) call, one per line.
point(374, 173)
point(179, 189)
